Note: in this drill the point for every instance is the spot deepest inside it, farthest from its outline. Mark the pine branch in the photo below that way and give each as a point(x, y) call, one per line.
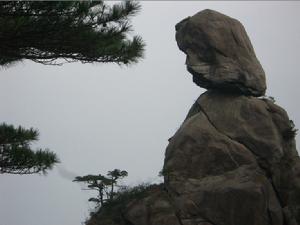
point(16, 156)
point(45, 32)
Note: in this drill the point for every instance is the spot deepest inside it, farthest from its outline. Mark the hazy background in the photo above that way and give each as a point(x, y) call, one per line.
point(101, 117)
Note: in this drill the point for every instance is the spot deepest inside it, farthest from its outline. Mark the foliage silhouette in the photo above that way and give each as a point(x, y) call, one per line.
point(104, 185)
point(16, 156)
point(291, 132)
point(56, 32)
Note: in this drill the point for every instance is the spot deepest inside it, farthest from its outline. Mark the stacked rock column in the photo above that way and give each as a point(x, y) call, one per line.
point(233, 161)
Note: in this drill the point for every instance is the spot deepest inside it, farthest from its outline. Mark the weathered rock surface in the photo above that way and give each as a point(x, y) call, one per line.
point(220, 54)
point(233, 161)
point(232, 151)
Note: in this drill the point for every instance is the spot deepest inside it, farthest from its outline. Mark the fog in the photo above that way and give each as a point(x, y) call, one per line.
point(98, 117)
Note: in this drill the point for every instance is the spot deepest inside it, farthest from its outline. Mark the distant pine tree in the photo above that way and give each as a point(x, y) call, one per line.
point(99, 183)
point(16, 156)
point(114, 176)
point(56, 32)
point(104, 185)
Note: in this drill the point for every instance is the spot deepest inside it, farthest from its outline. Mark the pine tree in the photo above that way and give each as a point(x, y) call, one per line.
point(96, 182)
point(114, 176)
point(104, 185)
point(56, 32)
point(16, 156)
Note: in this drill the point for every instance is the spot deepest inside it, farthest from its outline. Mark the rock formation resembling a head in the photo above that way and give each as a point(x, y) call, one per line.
point(220, 54)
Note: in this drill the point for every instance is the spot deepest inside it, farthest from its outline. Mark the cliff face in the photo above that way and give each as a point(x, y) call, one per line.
point(233, 161)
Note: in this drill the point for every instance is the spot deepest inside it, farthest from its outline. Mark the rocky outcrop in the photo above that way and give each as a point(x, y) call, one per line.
point(220, 54)
point(233, 161)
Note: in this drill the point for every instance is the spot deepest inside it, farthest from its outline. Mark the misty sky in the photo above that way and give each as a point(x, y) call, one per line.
point(100, 117)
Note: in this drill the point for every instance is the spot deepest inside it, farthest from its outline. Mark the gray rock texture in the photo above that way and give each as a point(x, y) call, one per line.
point(220, 54)
point(235, 155)
point(233, 161)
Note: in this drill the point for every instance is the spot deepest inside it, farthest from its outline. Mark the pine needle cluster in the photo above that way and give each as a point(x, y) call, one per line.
point(16, 155)
point(57, 32)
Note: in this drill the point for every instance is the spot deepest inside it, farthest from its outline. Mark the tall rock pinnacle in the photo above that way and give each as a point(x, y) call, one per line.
point(220, 54)
point(233, 161)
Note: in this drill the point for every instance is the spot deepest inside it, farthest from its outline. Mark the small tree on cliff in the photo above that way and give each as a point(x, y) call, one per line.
point(95, 182)
point(102, 184)
point(291, 132)
point(114, 176)
point(16, 156)
point(86, 31)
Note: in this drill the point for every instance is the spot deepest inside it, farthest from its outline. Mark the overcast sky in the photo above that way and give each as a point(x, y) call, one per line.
point(101, 117)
